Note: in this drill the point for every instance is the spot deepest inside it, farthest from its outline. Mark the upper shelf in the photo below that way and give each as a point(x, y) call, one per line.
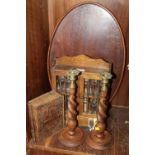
point(83, 62)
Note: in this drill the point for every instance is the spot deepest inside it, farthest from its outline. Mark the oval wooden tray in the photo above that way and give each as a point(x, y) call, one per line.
point(92, 30)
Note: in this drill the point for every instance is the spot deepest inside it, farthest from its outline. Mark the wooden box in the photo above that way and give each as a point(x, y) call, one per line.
point(46, 115)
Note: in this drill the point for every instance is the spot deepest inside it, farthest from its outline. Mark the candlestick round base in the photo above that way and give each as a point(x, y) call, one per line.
point(71, 140)
point(99, 143)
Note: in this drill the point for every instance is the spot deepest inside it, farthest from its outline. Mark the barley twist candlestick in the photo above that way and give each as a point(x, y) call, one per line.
point(100, 138)
point(72, 135)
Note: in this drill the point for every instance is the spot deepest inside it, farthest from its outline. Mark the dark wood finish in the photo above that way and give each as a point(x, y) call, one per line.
point(120, 9)
point(37, 42)
point(40, 26)
point(36, 48)
point(92, 30)
point(72, 135)
point(118, 126)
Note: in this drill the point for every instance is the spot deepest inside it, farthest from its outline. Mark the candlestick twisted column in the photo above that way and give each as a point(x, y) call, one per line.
point(72, 135)
point(100, 138)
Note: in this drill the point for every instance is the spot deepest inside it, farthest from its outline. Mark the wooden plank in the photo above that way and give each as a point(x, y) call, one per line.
point(37, 41)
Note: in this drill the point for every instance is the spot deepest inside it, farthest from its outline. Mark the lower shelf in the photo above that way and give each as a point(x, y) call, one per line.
point(117, 125)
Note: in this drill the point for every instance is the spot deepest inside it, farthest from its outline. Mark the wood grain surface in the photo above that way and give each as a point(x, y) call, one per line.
point(37, 41)
point(118, 126)
point(42, 17)
point(92, 30)
point(36, 48)
point(120, 9)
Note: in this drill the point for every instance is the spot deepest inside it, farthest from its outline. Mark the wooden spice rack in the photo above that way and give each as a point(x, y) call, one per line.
point(90, 71)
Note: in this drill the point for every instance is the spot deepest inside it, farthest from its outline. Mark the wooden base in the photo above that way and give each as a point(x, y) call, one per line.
point(99, 143)
point(118, 129)
point(71, 140)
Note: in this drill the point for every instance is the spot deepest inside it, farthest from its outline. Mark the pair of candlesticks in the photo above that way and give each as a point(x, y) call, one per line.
point(72, 135)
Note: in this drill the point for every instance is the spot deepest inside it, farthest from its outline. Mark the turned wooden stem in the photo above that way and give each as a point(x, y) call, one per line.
point(102, 106)
point(102, 113)
point(72, 135)
point(72, 105)
point(72, 113)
